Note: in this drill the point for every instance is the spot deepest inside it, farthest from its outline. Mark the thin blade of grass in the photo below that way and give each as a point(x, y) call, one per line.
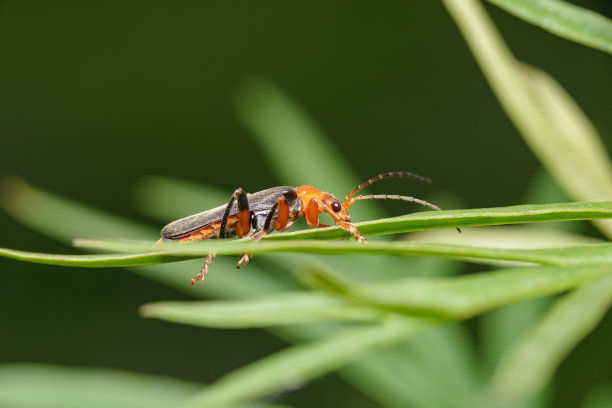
point(563, 19)
point(44, 386)
point(293, 366)
point(90, 261)
point(563, 256)
point(467, 296)
point(272, 310)
point(527, 367)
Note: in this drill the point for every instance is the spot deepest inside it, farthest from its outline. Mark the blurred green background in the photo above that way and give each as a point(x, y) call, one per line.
point(94, 96)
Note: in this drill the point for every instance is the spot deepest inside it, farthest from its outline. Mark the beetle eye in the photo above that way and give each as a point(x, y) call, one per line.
point(336, 206)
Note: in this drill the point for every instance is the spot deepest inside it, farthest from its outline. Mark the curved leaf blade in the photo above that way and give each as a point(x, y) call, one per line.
point(300, 363)
point(469, 295)
point(272, 310)
point(43, 386)
point(91, 261)
point(563, 19)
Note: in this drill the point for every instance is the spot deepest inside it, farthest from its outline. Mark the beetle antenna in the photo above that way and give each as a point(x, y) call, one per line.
point(398, 197)
point(383, 176)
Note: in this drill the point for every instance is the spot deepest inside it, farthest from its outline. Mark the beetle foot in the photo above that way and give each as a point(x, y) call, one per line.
point(244, 259)
point(347, 226)
point(204, 271)
point(259, 235)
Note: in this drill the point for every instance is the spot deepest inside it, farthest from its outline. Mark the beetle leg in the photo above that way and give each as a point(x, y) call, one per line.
point(244, 259)
point(243, 226)
point(312, 212)
point(282, 216)
point(312, 218)
point(347, 226)
point(281, 208)
point(204, 271)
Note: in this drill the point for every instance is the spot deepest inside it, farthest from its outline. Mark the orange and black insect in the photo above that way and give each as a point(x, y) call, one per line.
point(277, 208)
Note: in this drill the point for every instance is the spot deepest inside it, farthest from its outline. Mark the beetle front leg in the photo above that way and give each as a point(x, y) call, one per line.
point(347, 226)
point(312, 218)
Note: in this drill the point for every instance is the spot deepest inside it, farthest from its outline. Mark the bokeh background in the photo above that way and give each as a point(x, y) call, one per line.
point(94, 96)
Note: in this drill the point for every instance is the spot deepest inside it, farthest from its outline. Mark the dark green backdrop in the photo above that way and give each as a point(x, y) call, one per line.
point(95, 95)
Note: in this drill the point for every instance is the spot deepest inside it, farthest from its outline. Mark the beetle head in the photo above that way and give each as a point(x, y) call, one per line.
point(334, 206)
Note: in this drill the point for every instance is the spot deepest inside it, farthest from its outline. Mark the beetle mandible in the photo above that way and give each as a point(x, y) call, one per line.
point(277, 208)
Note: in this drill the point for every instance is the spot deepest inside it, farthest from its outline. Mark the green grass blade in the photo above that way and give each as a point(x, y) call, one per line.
point(551, 123)
point(146, 253)
point(563, 19)
point(272, 310)
point(527, 367)
point(563, 256)
point(301, 363)
point(467, 296)
point(43, 386)
point(91, 261)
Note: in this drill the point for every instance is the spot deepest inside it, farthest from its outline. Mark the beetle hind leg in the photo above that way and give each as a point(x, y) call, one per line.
point(204, 271)
point(243, 226)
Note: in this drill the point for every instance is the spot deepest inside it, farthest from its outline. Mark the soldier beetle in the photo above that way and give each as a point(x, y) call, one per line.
point(277, 208)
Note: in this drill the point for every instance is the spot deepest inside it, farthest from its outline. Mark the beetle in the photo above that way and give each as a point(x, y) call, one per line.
point(257, 214)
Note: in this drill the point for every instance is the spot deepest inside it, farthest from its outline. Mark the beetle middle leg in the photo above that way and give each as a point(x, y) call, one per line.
point(281, 208)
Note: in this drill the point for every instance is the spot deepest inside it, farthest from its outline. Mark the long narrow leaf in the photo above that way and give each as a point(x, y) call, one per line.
point(273, 310)
point(563, 256)
point(564, 19)
point(301, 363)
point(466, 296)
point(144, 253)
point(43, 386)
point(91, 261)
